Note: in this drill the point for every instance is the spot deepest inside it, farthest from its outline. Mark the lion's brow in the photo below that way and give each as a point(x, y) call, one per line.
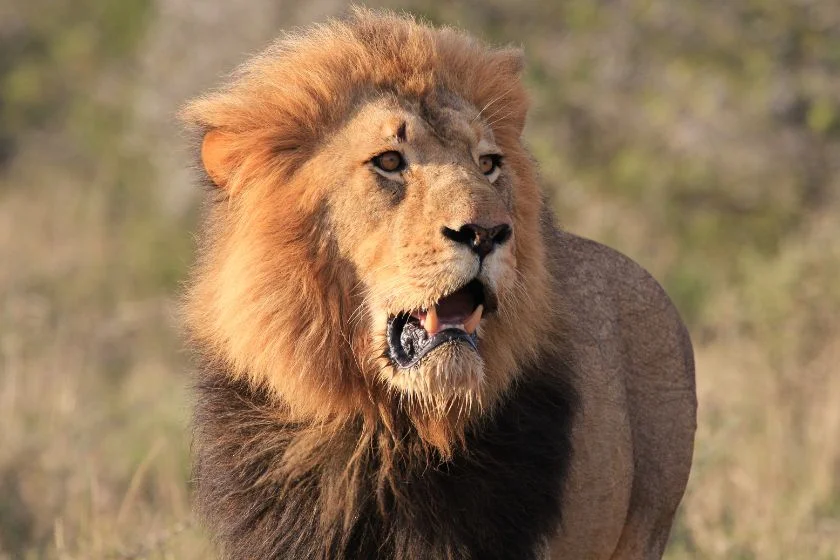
point(435, 120)
point(401, 133)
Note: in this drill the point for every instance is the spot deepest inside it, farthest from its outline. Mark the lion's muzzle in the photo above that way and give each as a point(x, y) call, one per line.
point(452, 319)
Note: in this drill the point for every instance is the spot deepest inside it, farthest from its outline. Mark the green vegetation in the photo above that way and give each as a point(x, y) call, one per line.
point(701, 137)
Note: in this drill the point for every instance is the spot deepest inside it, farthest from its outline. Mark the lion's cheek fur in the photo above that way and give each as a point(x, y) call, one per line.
point(268, 300)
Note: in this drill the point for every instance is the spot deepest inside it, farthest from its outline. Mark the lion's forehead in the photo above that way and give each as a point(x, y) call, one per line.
point(424, 127)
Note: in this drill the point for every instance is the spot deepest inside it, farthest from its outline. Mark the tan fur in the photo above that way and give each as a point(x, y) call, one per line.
point(307, 252)
point(282, 143)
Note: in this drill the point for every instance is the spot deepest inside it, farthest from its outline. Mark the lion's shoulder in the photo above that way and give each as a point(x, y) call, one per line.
point(600, 284)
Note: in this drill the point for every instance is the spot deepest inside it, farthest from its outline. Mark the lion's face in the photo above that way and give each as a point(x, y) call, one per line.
point(376, 241)
point(421, 205)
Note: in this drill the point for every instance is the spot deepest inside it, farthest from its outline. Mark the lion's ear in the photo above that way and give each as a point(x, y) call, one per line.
point(511, 60)
point(217, 156)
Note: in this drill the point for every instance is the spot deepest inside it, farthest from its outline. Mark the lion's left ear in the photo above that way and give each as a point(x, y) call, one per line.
point(217, 156)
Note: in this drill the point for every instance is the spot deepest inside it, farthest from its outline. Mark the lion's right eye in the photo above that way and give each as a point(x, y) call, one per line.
point(390, 162)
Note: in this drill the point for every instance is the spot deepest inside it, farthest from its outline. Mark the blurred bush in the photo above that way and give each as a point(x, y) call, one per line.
point(52, 53)
point(701, 137)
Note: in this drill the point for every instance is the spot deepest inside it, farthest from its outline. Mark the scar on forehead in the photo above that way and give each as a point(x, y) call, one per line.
point(395, 128)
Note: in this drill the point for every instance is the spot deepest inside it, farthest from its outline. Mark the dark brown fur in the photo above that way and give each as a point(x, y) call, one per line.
point(360, 488)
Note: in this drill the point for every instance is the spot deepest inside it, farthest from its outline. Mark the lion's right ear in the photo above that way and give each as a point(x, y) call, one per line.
point(217, 156)
point(511, 60)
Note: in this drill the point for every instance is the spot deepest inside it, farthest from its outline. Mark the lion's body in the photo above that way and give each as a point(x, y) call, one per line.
point(404, 358)
point(634, 435)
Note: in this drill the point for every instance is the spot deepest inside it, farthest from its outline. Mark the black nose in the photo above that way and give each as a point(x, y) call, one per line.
point(480, 239)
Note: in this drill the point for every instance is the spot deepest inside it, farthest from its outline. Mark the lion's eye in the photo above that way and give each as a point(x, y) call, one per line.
point(390, 162)
point(489, 163)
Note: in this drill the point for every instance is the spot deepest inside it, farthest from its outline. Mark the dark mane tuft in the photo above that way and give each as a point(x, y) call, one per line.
point(354, 488)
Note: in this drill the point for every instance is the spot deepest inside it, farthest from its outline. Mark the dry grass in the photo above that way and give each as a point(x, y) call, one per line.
point(93, 396)
point(765, 478)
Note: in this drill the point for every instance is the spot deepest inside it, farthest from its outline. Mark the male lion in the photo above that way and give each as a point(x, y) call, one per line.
point(402, 357)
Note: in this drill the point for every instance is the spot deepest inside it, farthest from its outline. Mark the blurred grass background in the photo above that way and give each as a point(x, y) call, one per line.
point(701, 137)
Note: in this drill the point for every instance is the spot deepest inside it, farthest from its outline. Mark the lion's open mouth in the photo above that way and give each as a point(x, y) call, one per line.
point(413, 334)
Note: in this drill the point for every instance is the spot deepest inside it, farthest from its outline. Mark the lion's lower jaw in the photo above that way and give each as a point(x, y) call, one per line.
point(449, 380)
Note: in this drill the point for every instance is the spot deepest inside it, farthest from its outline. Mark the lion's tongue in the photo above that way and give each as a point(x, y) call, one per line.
point(457, 310)
point(454, 308)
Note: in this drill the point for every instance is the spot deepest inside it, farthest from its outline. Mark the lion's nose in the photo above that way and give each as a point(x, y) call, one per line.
point(480, 239)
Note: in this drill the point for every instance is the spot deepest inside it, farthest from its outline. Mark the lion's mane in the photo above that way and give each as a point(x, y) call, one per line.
point(301, 450)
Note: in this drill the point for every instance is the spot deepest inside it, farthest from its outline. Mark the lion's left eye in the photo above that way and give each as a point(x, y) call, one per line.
point(489, 163)
point(390, 162)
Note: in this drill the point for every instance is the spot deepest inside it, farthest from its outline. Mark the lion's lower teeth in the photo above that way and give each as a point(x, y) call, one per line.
point(431, 323)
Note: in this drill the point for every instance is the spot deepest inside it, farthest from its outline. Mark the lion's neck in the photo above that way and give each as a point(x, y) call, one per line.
point(271, 488)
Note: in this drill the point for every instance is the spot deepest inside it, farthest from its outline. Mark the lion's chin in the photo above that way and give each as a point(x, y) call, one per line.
point(450, 375)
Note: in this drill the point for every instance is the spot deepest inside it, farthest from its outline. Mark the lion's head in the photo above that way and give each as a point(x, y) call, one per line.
point(375, 236)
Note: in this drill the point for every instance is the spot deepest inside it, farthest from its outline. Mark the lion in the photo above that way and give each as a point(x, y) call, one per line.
point(400, 355)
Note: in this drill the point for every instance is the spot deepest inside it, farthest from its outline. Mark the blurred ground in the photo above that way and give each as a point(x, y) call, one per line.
point(701, 137)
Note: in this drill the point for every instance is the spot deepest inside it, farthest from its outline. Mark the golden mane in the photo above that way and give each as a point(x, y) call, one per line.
point(289, 96)
point(266, 299)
